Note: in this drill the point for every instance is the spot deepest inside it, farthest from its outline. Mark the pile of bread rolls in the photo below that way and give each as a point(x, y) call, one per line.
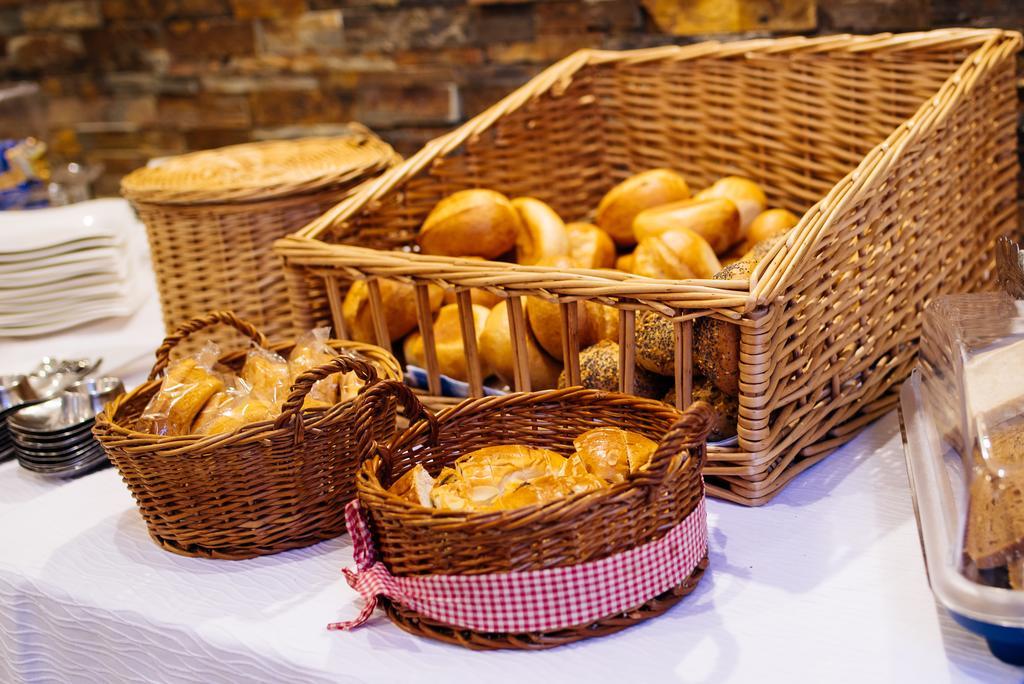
point(650, 225)
point(509, 476)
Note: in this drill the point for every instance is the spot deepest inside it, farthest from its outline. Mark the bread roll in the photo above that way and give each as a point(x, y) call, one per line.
point(480, 477)
point(625, 263)
point(589, 246)
point(655, 343)
point(767, 225)
point(414, 486)
point(599, 369)
point(475, 222)
point(594, 323)
point(717, 343)
point(476, 295)
point(619, 207)
point(612, 453)
point(716, 220)
point(496, 350)
point(451, 355)
point(726, 408)
point(399, 300)
point(545, 489)
point(747, 195)
point(542, 234)
point(675, 255)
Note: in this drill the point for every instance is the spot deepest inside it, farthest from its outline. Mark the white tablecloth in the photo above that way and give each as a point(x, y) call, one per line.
point(826, 583)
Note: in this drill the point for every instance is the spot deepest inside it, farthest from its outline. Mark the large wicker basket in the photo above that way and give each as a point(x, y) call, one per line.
point(898, 150)
point(213, 216)
point(412, 540)
point(264, 488)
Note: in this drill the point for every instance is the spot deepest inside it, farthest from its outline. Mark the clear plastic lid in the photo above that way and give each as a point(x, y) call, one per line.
point(963, 413)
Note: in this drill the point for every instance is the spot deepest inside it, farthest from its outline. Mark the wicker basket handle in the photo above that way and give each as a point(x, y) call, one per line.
point(163, 353)
point(292, 406)
point(687, 433)
point(414, 410)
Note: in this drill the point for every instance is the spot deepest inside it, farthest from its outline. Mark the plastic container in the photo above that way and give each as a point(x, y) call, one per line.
point(962, 413)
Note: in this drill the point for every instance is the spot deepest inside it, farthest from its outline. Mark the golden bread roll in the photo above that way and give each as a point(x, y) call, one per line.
point(479, 477)
point(399, 302)
point(451, 355)
point(414, 486)
point(239, 410)
point(608, 324)
point(716, 343)
point(625, 263)
point(267, 373)
point(675, 254)
point(767, 225)
point(589, 246)
point(618, 208)
point(655, 343)
point(542, 234)
point(545, 489)
point(475, 222)
point(184, 391)
point(496, 350)
point(747, 195)
point(726, 408)
point(716, 220)
point(599, 369)
point(593, 322)
point(476, 295)
point(612, 453)
point(450, 493)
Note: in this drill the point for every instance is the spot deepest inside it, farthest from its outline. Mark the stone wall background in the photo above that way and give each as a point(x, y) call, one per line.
point(132, 79)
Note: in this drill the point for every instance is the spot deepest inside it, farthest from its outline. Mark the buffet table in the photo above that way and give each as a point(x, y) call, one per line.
point(826, 583)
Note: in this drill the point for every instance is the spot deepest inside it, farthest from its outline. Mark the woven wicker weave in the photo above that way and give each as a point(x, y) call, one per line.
point(213, 216)
point(897, 150)
point(412, 540)
point(264, 488)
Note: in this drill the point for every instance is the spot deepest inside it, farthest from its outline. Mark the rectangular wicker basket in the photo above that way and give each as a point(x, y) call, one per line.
point(899, 152)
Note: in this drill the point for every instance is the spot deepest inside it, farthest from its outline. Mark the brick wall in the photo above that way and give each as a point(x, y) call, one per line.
point(131, 79)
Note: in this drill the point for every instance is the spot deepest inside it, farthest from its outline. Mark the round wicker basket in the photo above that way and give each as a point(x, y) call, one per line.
point(412, 540)
point(263, 488)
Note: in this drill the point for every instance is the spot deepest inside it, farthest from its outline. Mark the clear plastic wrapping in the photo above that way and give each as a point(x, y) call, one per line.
point(187, 386)
point(312, 350)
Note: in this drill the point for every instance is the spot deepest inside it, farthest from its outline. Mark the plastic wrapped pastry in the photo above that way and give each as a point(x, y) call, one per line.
point(268, 375)
point(185, 389)
point(311, 350)
point(232, 408)
point(612, 453)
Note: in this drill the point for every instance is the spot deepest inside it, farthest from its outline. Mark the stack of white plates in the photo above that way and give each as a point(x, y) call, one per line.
point(65, 266)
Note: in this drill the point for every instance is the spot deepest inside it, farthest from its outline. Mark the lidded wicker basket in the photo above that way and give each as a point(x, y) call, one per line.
point(414, 541)
point(212, 217)
point(266, 487)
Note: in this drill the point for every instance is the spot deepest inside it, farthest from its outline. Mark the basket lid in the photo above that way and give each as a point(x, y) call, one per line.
point(261, 170)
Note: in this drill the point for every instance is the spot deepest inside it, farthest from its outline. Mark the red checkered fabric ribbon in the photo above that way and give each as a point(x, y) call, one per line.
point(535, 600)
